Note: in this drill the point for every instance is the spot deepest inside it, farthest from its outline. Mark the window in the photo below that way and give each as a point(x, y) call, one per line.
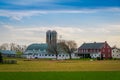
point(49, 55)
point(52, 54)
point(113, 50)
point(95, 55)
point(40, 55)
point(63, 55)
point(45, 54)
point(66, 55)
point(59, 55)
point(81, 50)
point(103, 55)
point(103, 50)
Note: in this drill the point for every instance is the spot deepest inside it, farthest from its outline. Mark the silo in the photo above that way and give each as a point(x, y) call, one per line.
point(48, 37)
point(53, 38)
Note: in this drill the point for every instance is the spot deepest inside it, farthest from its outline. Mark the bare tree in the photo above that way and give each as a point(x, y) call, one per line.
point(54, 50)
point(13, 47)
point(69, 47)
point(114, 46)
point(4, 46)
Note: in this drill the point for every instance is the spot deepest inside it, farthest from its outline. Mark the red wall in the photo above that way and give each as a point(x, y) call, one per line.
point(106, 51)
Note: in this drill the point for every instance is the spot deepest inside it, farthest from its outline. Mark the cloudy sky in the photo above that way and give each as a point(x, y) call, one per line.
point(26, 21)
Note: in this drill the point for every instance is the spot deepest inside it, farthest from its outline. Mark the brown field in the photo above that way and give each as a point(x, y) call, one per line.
point(61, 65)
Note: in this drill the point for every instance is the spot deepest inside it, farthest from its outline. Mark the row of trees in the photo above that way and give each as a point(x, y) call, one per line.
point(63, 46)
point(13, 47)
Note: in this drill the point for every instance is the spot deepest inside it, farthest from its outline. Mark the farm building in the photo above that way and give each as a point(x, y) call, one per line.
point(40, 51)
point(115, 53)
point(8, 53)
point(94, 50)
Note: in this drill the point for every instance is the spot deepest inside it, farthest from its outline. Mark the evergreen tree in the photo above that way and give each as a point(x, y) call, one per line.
point(1, 59)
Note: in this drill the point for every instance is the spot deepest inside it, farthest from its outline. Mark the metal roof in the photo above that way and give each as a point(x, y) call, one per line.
point(7, 52)
point(40, 47)
point(91, 45)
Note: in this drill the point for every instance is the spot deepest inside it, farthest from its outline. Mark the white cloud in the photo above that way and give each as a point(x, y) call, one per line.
point(37, 34)
point(18, 15)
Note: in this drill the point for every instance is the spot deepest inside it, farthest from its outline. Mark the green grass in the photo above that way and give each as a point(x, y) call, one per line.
point(97, 75)
point(62, 65)
point(61, 70)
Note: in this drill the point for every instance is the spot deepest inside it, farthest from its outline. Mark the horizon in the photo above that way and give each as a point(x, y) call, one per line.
point(25, 22)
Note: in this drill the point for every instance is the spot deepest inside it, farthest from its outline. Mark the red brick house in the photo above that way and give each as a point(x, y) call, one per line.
point(94, 50)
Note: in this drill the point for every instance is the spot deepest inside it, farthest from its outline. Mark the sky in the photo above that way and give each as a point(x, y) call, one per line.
point(26, 21)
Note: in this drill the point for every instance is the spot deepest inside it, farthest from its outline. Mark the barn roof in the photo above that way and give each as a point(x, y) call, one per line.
point(91, 45)
point(7, 52)
point(40, 47)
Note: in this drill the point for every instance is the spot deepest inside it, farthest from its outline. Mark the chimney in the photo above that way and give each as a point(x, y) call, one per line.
point(105, 41)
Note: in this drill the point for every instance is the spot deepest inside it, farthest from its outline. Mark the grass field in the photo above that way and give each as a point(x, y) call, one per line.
point(112, 75)
point(61, 70)
point(62, 65)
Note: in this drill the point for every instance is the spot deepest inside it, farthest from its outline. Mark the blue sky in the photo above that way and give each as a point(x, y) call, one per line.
point(26, 21)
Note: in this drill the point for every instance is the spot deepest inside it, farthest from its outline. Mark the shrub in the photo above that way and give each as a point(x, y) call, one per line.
point(98, 58)
point(9, 61)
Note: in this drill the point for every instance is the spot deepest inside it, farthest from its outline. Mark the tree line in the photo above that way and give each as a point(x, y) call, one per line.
point(13, 47)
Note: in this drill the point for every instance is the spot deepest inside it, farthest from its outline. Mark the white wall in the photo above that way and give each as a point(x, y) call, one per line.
point(95, 55)
point(46, 55)
point(115, 53)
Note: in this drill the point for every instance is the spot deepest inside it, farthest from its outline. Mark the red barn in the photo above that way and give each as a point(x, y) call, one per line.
point(94, 50)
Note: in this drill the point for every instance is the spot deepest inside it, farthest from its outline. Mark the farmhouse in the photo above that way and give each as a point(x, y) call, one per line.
point(115, 52)
point(94, 50)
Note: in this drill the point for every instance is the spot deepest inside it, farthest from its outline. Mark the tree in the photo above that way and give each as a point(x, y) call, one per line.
point(1, 58)
point(54, 50)
point(18, 48)
point(4, 46)
point(69, 47)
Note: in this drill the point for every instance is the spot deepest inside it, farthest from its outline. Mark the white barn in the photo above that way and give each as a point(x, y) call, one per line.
point(40, 51)
point(115, 53)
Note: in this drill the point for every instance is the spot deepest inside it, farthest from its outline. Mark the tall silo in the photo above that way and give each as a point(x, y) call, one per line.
point(53, 38)
point(48, 37)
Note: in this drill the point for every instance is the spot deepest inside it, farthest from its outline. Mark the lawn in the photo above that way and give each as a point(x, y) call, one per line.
point(61, 65)
point(86, 75)
point(61, 70)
